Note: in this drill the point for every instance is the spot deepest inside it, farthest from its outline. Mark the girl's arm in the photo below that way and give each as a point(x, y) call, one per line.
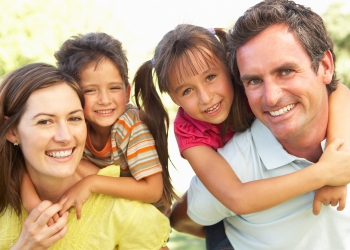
point(243, 198)
point(148, 190)
point(339, 115)
point(338, 126)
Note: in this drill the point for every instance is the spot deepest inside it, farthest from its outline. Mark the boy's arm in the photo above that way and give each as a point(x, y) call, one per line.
point(29, 196)
point(218, 177)
point(338, 126)
point(146, 190)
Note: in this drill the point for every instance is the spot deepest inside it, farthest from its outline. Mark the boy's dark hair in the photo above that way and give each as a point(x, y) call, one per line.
point(78, 52)
point(306, 25)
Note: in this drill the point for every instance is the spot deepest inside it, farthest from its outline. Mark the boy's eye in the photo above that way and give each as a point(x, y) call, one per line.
point(187, 91)
point(115, 88)
point(88, 91)
point(210, 78)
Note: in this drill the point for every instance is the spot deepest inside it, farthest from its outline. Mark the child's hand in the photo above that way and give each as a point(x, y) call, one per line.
point(76, 196)
point(329, 195)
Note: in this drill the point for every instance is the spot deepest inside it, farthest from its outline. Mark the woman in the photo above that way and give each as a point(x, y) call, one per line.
point(43, 132)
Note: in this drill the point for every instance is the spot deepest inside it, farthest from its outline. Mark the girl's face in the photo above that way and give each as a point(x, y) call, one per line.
point(207, 96)
point(52, 132)
point(105, 94)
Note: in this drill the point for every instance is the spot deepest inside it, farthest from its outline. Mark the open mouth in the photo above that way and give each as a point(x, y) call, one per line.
point(213, 109)
point(108, 111)
point(60, 154)
point(282, 110)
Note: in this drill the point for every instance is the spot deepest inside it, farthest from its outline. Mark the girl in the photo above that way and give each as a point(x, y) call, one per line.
point(190, 65)
point(116, 134)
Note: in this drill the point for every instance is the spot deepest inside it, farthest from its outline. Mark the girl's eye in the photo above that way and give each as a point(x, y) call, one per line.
point(210, 78)
point(44, 122)
point(75, 119)
point(187, 91)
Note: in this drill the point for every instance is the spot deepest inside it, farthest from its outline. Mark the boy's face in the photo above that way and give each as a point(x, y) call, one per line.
point(105, 94)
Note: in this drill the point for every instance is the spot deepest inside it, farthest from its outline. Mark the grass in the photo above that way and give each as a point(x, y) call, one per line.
point(180, 241)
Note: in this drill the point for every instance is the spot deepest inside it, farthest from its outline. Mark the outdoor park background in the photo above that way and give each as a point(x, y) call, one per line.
point(32, 30)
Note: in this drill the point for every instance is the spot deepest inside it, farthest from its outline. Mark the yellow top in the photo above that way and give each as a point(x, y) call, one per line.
point(106, 223)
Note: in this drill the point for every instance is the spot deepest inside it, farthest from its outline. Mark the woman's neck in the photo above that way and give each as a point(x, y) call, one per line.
point(52, 189)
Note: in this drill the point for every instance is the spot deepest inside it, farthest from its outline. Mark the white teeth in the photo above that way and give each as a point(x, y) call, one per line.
point(212, 109)
point(60, 154)
point(282, 110)
point(104, 111)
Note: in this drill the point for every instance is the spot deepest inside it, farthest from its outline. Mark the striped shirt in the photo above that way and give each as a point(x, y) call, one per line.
point(131, 146)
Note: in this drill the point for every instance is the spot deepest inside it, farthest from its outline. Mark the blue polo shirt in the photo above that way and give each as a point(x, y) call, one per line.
point(256, 154)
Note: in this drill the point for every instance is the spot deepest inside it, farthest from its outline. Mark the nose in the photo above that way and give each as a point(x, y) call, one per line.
point(272, 92)
point(63, 133)
point(104, 98)
point(205, 95)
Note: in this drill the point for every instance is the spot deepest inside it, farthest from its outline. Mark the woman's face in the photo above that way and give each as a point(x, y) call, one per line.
point(52, 132)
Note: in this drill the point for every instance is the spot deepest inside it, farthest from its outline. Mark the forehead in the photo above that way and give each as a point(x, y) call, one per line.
point(57, 98)
point(192, 63)
point(273, 47)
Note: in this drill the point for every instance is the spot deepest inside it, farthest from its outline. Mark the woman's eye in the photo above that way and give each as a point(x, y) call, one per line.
point(44, 122)
point(187, 91)
point(75, 119)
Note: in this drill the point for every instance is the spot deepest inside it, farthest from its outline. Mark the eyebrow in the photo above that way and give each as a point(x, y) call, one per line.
point(202, 73)
point(275, 70)
point(52, 115)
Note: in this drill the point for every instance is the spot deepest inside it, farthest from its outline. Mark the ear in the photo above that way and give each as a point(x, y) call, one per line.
point(127, 93)
point(326, 68)
point(11, 135)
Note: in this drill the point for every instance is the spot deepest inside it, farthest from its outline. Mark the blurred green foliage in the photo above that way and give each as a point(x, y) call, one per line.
point(338, 24)
point(31, 30)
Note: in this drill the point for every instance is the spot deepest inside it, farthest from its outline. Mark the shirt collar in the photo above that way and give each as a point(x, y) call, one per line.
point(270, 150)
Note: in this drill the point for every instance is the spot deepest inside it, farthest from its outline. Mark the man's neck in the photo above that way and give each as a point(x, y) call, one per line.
point(307, 145)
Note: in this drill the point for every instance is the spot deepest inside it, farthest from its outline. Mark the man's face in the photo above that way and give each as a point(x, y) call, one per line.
point(283, 90)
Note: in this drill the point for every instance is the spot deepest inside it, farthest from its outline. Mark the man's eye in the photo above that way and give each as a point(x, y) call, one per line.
point(254, 81)
point(115, 88)
point(286, 72)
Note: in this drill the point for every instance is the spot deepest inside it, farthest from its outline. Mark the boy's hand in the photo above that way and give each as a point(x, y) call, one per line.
point(76, 196)
point(329, 195)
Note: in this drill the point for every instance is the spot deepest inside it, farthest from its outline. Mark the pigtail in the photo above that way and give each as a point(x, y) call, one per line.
point(156, 118)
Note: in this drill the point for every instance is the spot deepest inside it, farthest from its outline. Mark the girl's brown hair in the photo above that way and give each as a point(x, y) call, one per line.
point(173, 53)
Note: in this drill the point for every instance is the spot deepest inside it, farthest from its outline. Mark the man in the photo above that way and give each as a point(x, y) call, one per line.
point(283, 56)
